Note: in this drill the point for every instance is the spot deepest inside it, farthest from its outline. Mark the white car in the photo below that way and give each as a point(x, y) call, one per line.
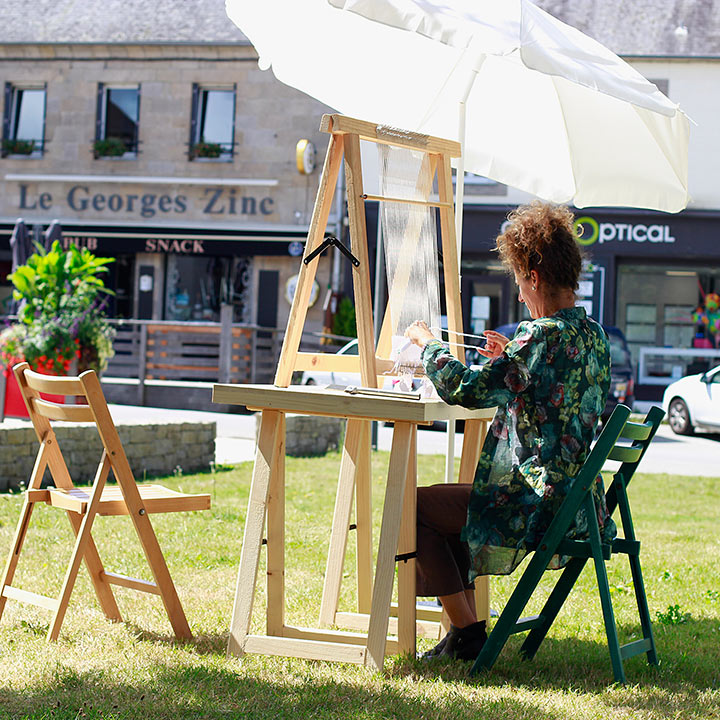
point(694, 402)
point(319, 377)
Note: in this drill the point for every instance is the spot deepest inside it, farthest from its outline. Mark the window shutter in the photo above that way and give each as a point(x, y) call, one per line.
point(7, 111)
point(99, 131)
point(234, 112)
point(136, 134)
point(194, 136)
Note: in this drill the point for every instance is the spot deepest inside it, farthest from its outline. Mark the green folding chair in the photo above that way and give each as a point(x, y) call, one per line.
point(554, 542)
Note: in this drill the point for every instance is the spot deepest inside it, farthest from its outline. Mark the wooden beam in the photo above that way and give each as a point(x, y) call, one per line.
point(360, 621)
point(383, 134)
point(301, 299)
point(387, 547)
point(129, 582)
point(359, 247)
point(270, 424)
point(451, 262)
point(308, 649)
point(29, 597)
point(340, 522)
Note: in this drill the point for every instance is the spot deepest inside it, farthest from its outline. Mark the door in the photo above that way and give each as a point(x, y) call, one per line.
point(486, 303)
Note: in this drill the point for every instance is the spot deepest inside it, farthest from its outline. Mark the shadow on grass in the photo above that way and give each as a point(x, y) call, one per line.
point(260, 688)
point(200, 643)
point(689, 655)
point(209, 693)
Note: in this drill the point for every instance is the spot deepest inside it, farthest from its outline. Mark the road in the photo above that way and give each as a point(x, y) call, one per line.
point(698, 455)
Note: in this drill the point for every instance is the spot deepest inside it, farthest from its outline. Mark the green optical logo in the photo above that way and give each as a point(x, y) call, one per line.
point(581, 225)
point(589, 231)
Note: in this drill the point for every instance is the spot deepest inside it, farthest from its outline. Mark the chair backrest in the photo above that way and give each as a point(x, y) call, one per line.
point(630, 455)
point(608, 445)
point(95, 410)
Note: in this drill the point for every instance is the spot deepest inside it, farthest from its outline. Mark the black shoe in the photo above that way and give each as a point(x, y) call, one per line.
point(438, 649)
point(465, 643)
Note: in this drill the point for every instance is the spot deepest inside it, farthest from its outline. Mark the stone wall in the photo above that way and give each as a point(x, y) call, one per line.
point(152, 449)
point(308, 435)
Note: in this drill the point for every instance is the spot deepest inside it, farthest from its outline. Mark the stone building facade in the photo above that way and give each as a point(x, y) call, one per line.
point(192, 227)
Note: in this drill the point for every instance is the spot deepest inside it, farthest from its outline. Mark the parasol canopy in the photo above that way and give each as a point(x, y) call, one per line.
point(548, 109)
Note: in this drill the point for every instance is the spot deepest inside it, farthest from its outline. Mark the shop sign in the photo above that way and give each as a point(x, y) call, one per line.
point(220, 202)
point(295, 248)
point(183, 247)
point(590, 231)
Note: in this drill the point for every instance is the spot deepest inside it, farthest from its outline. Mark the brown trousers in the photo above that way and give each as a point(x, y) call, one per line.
point(443, 560)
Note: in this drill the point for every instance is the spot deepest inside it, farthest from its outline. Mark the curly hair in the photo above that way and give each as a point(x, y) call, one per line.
point(541, 237)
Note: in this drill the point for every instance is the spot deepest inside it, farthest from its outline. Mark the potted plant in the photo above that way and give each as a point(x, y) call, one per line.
point(62, 313)
point(17, 147)
point(110, 147)
point(204, 149)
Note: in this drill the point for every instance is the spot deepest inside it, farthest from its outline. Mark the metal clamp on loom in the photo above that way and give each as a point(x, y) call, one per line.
point(326, 244)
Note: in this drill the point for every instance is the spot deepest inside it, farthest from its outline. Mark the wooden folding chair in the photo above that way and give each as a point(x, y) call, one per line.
point(83, 504)
point(580, 551)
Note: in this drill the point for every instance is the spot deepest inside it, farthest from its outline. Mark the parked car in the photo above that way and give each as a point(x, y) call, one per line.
point(319, 377)
point(622, 373)
point(693, 402)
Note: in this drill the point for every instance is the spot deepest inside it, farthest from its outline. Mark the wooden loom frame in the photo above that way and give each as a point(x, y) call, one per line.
point(267, 493)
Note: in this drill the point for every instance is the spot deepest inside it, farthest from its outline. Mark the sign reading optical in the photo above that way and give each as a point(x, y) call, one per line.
point(590, 231)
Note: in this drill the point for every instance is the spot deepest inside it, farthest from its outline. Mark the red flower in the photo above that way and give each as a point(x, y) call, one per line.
point(557, 395)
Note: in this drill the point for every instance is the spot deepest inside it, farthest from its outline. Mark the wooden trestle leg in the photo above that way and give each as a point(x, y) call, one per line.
point(270, 425)
point(354, 474)
point(387, 547)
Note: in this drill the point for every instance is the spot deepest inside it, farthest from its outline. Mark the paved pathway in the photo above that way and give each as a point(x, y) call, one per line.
point(698, 455)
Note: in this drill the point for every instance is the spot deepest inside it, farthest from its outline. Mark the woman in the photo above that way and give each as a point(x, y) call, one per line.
point(550, 383)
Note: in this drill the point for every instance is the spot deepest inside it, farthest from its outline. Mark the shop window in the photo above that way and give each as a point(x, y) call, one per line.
point(678, 327)
point(23, 121)
point(640, 322)
point(196, 287)
point(117, 121)
point(212, 123)
point(656, 305)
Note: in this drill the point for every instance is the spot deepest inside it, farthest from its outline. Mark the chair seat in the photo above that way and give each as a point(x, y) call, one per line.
point(156, 499)
point(583, 549)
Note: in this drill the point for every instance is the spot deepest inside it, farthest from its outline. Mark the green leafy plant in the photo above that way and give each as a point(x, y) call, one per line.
point(673, 616)
point(344, 322)
point(206, 149)
point(110, 147)
point(62, 297)
point(18, 147)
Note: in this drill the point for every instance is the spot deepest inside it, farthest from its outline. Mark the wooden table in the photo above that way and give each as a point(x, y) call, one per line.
point(397, 534)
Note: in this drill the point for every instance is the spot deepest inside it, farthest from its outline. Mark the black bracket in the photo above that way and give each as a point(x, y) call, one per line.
point(326, 244)
point(404, 557)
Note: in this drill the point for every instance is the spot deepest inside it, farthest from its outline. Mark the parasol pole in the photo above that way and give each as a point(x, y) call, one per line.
point(459, 206)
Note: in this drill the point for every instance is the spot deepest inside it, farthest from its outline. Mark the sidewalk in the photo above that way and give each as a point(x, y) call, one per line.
point(697, 455)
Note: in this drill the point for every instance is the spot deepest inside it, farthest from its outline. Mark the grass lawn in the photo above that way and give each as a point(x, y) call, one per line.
point(136, 669)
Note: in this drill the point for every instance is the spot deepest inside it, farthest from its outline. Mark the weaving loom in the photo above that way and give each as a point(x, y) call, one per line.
point(414, 170)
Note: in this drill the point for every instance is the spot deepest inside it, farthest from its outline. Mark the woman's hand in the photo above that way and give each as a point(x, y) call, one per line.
point(419, 333)
point(495, 344)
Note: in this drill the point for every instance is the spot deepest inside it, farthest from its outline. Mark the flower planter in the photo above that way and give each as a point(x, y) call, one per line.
point(14, 403)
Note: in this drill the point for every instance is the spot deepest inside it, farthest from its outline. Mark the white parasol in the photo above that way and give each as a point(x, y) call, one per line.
point(549, 110)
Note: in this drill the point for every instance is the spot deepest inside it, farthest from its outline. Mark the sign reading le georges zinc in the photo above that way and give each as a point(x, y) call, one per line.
point(213, 201)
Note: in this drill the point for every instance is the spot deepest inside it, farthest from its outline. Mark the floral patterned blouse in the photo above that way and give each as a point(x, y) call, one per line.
point(550, 385)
